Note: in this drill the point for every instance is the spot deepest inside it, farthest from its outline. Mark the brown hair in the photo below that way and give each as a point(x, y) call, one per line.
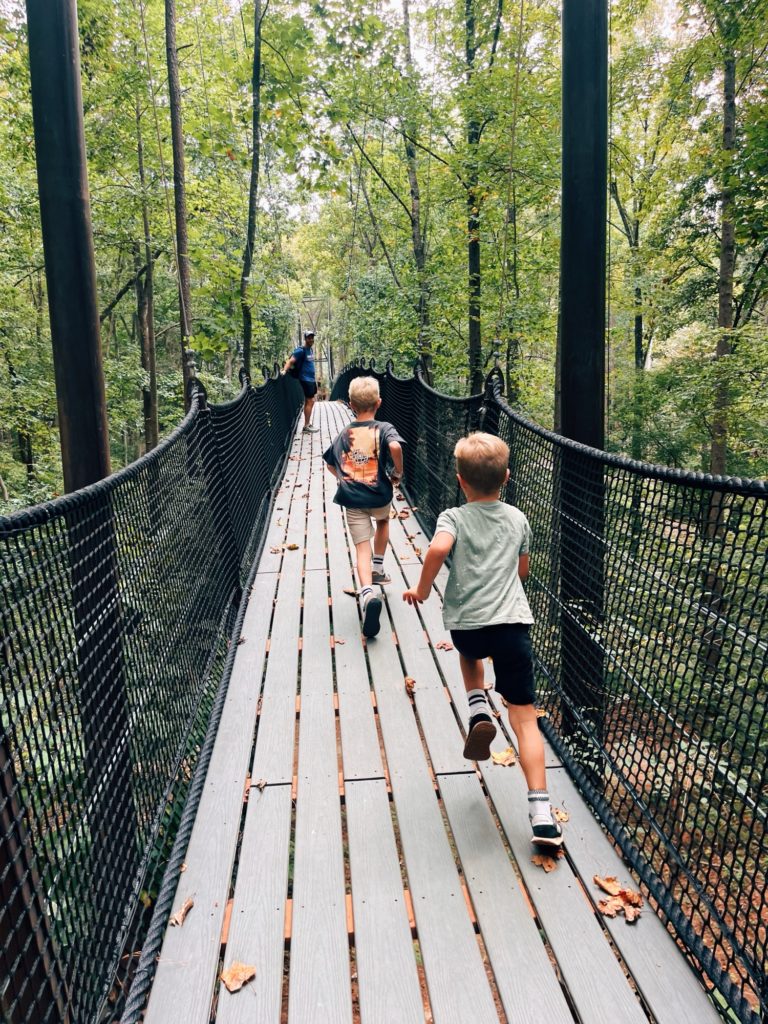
point(364, 394)
point(482, 460)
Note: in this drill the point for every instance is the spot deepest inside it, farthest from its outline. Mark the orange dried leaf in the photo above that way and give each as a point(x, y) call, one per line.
point(609, 884)
point(403, 513)
point(631, 913)
point(543, 860)
point(611, 907)
point(631, 898)
point(237, 975)
point(417, 551)
point(276, 550)
point(504, 757)
point(444, 645)
point(561, 815)
point(261, 784)
point(410, 684)
point(339, 640)
point(178, 918)
point(291, 547)
point(399, 497)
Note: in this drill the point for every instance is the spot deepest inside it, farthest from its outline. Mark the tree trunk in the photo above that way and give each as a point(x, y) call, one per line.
point(145, 306)
point(719, 445)
point(473, 212)
point(253, 191)
point(179, 193)
point(417, 231)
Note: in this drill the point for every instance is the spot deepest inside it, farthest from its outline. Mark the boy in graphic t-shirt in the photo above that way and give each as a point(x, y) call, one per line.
point(487, 612)
point(359, 459)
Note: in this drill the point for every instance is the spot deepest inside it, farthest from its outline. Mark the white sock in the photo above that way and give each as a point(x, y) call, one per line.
point(365, 595)
point(539, 809)
point(478, 703)
point(378, 563)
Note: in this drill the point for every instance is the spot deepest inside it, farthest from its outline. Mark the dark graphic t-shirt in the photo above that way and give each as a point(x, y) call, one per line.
point(360, 455)
point(305, 360)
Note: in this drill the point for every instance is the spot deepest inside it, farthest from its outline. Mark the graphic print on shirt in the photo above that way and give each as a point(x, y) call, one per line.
point(360, 462)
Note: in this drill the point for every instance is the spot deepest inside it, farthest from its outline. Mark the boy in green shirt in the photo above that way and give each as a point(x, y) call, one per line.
point(487, 612)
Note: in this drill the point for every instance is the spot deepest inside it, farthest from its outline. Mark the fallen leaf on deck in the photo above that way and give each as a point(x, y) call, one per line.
point(506, 757)
point(237, 975)
point(410, 684)
point(417, 551)
point(351, 591)
point(291, 547)
point(610, 884)
point(399, 497)
point(623, 900)
point(543, 860)
point(261, 784)
point(276, 551)
point(242, 640)
point(403, 513)
point(561, 815)
point(495, 713)
point(444, 645)
point(279, 522)
point(181, 913)
point(339, 640)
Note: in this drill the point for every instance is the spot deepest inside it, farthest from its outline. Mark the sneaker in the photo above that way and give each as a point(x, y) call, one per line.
point(380, 577)
point(479, 738)
point(547, 835)
point(371, 617)
point(311, 430)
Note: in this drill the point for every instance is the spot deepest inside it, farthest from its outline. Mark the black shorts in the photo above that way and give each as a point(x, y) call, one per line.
point(309, 387)
point(509, 648)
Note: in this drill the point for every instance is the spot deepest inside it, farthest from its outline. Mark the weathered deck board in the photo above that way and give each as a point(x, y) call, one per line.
point(491, 929)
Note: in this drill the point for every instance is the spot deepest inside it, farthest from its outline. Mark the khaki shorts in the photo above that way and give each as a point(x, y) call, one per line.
point(360, 524)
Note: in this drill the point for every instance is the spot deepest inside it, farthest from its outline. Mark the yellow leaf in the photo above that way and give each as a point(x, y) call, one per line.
point(610, 884)
point(561, 815)
point(180, 915)
point(410, 684)
point(291, 547)
point(504, 757)
point(237, 975)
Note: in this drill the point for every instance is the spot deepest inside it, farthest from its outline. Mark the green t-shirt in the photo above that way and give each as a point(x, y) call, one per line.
point(484, 588)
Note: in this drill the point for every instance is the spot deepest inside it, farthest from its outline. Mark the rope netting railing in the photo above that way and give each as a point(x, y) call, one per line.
point(650, 590)
point(117, 606)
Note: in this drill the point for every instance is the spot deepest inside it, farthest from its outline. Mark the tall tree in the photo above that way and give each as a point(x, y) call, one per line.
point(179, 192)
point(253, 188)
point(145, 302)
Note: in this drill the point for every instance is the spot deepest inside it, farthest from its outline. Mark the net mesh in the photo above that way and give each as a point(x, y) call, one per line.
point(117, 603)
point(649, 589)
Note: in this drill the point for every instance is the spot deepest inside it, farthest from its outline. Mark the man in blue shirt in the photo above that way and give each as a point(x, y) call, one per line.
point(302, 365)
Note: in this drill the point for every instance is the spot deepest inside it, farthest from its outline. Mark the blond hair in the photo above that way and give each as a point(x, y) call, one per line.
point(482, 460)
point(364, 394)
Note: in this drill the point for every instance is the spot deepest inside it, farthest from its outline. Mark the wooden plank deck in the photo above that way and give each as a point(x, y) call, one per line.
point(345, 848)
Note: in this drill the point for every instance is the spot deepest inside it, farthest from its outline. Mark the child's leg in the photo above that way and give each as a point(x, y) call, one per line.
point(363, 550)
point(380, 541)
point(481, 728)
point(530, 745)
point(381, 538)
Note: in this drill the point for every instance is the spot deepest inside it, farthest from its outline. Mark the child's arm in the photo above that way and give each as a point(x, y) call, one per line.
point(437, 553)
point(522, 567)
point(396, 451)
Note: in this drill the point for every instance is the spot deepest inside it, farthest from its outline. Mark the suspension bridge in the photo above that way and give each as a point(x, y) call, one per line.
point(203, 764)
point(192, 719)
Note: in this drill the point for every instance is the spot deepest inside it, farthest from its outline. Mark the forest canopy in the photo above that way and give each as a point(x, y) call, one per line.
point(343, 160)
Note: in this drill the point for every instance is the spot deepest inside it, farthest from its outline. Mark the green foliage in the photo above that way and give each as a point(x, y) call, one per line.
point(349, 128)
